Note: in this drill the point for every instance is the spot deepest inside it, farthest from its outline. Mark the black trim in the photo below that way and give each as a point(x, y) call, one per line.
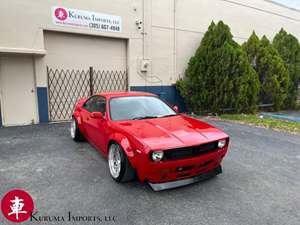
point(187, 181)
point(190, 151)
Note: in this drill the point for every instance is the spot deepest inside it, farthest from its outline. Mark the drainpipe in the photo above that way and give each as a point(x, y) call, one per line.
point(148, 77)
point(175, 42)
point(143, 32)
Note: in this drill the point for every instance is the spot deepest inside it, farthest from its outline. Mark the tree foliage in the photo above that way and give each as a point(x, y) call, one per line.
point(289, 49)
point(219, 75)
point(272, 73)
point(251, 47)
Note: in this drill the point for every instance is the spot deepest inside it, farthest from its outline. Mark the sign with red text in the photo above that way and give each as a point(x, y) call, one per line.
point(85, 19)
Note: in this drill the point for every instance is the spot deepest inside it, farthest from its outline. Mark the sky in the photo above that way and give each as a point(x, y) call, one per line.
point(290, 3)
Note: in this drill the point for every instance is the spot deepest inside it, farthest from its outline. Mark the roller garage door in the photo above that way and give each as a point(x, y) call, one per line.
point(78, 65)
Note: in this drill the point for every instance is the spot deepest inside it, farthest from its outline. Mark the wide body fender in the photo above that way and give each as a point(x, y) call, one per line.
point(127, 145)
point(133, 149)
point(78, 119)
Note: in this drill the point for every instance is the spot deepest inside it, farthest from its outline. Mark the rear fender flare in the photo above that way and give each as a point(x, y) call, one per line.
point(78, 119)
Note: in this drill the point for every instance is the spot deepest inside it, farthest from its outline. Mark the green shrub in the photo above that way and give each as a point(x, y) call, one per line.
point(272, 73)
point(219, 75)
point(289, 49)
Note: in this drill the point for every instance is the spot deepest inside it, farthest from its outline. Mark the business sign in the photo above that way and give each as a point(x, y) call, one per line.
point(85, 19)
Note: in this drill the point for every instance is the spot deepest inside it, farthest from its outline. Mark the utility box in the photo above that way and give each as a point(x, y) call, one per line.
point(145, 65)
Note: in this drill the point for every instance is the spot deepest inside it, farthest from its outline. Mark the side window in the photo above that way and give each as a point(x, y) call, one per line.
point(95, 104)
point(88, 105)
point(100, 105)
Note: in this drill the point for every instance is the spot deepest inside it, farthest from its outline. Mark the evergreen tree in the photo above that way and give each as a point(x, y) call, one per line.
point(273, 75)
point(251, 48)
point(219, 75)
point(289, 49)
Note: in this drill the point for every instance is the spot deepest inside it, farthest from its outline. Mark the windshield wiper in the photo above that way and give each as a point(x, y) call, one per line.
point(168, 115)
point(144, 117)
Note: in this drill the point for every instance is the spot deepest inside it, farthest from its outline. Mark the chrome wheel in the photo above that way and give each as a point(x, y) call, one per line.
point(114, 160)
point(73, 128)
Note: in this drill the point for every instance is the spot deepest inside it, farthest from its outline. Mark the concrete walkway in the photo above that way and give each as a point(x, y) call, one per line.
point(286, 115)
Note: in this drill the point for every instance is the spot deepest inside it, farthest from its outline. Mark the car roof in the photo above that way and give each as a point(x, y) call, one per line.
point(124, 93)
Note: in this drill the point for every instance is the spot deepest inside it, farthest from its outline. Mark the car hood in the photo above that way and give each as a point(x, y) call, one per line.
point(171, 132)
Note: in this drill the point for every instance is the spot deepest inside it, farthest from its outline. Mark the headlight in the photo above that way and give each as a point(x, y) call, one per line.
point(157, 156)
point(222, 143)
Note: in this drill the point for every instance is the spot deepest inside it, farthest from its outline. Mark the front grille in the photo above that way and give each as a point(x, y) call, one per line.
point(188, 152)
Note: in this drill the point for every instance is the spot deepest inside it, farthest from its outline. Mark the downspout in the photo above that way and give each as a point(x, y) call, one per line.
point(150, 78)
point(143, 32)
point(175, 43)
point(1, 104)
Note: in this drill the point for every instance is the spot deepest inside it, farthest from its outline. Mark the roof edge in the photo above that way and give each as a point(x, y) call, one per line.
point(282, 5)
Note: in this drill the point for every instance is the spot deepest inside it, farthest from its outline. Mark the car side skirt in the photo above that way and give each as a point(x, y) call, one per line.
point(184, 182)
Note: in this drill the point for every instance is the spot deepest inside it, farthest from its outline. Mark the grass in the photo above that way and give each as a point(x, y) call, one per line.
point(266, 122)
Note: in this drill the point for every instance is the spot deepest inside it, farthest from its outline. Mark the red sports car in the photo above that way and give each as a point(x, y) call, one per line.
point(143, 136)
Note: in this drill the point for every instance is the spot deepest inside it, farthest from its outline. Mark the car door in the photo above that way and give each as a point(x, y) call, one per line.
point(97, 128)
point(86, 115)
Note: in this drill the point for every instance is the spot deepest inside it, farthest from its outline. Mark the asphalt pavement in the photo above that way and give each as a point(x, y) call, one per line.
point(260, 183)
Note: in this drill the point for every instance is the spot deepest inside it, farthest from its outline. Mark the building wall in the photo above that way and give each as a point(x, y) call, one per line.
point(24, 32)
point(179, 25)
point(171, 32)
point(29, 20)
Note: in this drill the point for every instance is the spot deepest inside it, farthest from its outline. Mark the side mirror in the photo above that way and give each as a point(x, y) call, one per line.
point(175, 108)
point(96, 115)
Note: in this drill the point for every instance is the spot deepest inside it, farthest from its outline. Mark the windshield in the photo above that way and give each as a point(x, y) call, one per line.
point(138, 107)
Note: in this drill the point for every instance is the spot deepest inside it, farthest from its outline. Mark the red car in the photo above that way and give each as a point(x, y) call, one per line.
point(143, 136)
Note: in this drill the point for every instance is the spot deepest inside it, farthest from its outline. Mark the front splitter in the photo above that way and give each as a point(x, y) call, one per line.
point(184, 182)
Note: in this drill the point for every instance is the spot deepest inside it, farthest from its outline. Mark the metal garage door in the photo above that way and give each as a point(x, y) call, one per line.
point(79, 65)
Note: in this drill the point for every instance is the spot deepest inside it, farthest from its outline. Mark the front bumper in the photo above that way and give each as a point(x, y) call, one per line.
point(184, 182)
point(173, 170)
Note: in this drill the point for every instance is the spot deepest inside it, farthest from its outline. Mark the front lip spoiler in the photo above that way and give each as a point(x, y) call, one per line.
point(184, 182)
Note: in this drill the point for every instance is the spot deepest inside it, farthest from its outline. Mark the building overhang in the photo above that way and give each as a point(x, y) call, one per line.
point(29, 51)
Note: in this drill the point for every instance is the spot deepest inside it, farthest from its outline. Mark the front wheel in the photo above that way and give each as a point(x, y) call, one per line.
point(119, 165)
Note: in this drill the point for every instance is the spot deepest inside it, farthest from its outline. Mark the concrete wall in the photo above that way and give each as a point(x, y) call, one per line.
point(171, 32)
point(173, 28)
point(24, 31)
point(179, 25)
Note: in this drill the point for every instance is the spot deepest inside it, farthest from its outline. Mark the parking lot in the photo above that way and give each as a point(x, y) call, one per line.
point(260, 183)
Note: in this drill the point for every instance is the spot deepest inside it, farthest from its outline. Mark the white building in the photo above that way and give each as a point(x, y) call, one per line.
point(151, 41)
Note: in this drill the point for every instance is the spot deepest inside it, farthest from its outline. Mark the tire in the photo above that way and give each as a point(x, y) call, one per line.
point(119, 166)
point(75, 132)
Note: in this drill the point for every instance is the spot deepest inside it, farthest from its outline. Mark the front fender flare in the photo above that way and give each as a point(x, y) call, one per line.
point(126, 145)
